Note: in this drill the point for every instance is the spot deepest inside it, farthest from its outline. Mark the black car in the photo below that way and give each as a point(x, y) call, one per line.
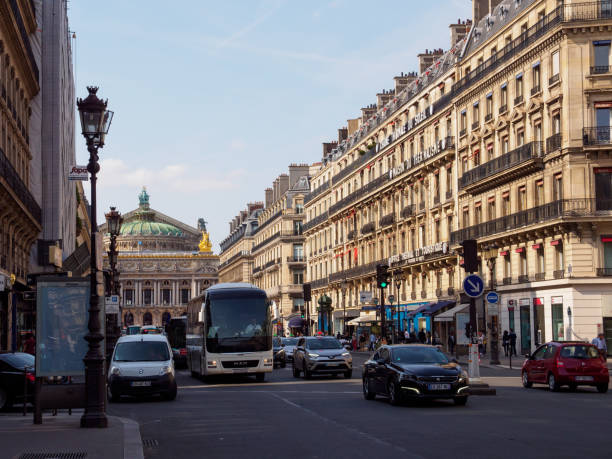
point(413, 371)
point(16, 372)
point(280, 356)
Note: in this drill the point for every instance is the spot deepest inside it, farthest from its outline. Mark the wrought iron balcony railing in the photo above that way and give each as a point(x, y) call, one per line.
point(387, 220)
point(504, 162)
point(553, 143)
point(316, 192)
point(553, 79)
point(604, 272)
point(596, 135)
point(518, 100)
point(488, 117)
point(503, 109)
point(599, 69)
point(19, 188)
point(408, 211)
point(368, 228)
point(315, 221)
point(559, 274)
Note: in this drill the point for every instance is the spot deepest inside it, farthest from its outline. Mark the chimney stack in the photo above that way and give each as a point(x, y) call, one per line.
point(403, 80)
point(342, 134)
point(296, 171)
point(427, 59)
point(459, 30)
point(367, 112)
point(253, 206)
point(480, 8)
point(269, 197)
point(385, 96)
point(283, 185)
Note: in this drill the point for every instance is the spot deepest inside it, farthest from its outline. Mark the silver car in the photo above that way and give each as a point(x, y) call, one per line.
point(321, 355)
point(290, 344)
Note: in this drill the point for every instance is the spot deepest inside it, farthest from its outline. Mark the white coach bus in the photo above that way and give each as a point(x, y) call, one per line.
point(229, 332)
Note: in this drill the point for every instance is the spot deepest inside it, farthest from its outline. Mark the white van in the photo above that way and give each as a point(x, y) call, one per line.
point(141, 365)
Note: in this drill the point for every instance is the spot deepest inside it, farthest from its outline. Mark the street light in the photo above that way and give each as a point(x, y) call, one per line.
point(114, 220)
point(95, 122)
point(344, 288)
point(494, 323)
point(399, 278)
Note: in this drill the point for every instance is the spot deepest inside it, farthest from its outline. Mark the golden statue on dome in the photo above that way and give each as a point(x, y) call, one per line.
point(205, 245)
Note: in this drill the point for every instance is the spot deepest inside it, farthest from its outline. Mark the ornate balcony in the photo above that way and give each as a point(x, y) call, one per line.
point(462, 132)
point(518, 100)
point(604, 272)
point(553, 143)
point(449, 195)
point(507, 280)
point(600, 69)
point(451, 291)
point(438, 292)
point(536, 90)
point(368, 228)
point(553, 79)
point(387, 220)
point(503, 109)
point(315, 221)
point(596, 136)
point(19, 188)
point(475, 125)
point(316, 192)
point(423, 294)
point(408, 211)
point(559, 274)
point(523, 278)
point(540, 276)
point(413, 295)
point(520, 161)
point(488, 117)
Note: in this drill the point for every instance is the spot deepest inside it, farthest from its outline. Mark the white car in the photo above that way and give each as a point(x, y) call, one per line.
point(141, 365)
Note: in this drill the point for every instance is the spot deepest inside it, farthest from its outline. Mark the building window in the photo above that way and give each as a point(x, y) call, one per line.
point(601, 56)
point(298, 305)
point(298, 277)
point(299, 208)
point(476, 113)
point(556, 123)
point(449, 226)
point(184, 295)
point(559, 260)
point(476, 158)
point(603, 188)
point(558, 187)
point(540, 255)
point(539, 192)
point(166, 296)
point(504, 96)
point(478, 213)
point(491, 210)
point(437, 230)
point(147, 296)
point(466, 217)
point(505, 145)
point(128, 296)
point(520, 138)
point(463, 122)
point(523, 262)
point(554, 70)
point(519, 87)
point(522, 198)
point(489, 105)
point(536, 78)
point(507, 266)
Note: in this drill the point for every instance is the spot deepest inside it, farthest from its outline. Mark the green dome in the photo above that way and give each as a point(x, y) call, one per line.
point(149, 228)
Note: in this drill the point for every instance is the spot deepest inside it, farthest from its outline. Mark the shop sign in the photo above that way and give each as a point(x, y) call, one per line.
point(430, 152)
point(556, 300)
point(419, 254)
point(524, 302)
point(365, 296)
point(418, 119)
point(78, 173)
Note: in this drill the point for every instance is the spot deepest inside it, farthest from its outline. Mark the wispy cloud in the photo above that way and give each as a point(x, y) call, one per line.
point(179, 178)
point(260, 19)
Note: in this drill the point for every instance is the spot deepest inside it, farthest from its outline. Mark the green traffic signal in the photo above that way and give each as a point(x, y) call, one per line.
point(383, 285)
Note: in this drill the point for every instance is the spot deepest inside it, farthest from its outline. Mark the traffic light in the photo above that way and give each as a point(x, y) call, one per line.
point(470, 255)
point(382, 276)
point(307, 292)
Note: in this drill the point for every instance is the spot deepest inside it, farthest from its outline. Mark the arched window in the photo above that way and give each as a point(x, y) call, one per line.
point(165, 318)
point(147, 319)
point(128, 319)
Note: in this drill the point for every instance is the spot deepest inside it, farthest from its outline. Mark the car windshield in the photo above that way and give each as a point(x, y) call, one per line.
point(579, 352)
point(142, 351)
point(326, 343)
point(418, 355)
point(290, 341)
point(19, 360)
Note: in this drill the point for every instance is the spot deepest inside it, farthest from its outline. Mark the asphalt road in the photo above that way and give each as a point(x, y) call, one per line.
point(329, 418)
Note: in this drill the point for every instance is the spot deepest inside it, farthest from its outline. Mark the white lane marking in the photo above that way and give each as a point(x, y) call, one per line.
point(350, 429)
point(278, 383)
point(289, 391)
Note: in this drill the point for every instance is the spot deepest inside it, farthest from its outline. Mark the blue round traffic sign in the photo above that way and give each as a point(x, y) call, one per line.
point(473, 286)
point(492, 297)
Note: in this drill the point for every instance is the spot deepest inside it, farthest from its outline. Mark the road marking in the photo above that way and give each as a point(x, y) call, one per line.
point(277, 383)
point(350, 429)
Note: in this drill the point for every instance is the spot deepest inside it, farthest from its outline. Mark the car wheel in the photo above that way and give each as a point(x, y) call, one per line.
point(307, 373)
point(348, 374)
point(552, 383)
point(367, 392)
point(171, 394)
point(260, 377)
point(602, 388)
point(526, 382)
point(460, 401)
point(393, 391)
point(296, 372)
point(4, 400)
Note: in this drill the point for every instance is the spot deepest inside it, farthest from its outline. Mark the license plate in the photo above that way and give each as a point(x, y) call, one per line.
point(438, 386)
point(584, 378)
point(333, 364)
point(141, 383)
point(240, 370)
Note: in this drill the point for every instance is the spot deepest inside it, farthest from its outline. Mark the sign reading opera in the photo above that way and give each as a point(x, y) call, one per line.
point(162, 264)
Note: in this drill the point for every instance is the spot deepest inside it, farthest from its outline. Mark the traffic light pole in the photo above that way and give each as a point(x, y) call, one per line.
point(383, 315)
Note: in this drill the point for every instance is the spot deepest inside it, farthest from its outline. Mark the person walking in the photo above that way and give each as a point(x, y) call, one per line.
point(506, 342)
point(480, 343)
point(406, 336)
point(372, 342)
point(512, 338)
point(451, 344)
point(422, 336)
point(600, 343)
point(428, 337)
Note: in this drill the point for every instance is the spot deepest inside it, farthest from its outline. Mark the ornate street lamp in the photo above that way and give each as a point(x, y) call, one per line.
point(399, 278)
point(114, 220)
point(345, 285)
point(95, 122)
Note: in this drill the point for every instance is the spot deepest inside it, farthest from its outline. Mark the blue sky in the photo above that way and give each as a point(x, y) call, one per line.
point(213, 100)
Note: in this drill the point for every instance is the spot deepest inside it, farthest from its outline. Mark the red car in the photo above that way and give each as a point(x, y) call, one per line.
point(566, 363)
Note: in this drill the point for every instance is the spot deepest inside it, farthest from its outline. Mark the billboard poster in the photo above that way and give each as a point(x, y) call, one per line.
point(61, 321)
point(462, 318)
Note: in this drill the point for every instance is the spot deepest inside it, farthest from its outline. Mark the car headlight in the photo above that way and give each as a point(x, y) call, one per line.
point(463, 377)
point(314, 356)
point(166, 369)
point(346, 354)
point(115, 371)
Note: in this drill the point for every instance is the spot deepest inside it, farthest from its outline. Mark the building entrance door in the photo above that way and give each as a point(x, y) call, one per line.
point(525, 330)
point(607, 327)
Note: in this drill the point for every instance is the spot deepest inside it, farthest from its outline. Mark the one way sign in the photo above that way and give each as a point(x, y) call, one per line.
point(473, 286)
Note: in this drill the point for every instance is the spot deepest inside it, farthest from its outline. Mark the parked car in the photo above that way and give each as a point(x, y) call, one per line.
point(16, 372)
point(414, 371)
point(570, 363)
point(142, 365)
point(280, 356)
point(321, 355)
point(290, 344)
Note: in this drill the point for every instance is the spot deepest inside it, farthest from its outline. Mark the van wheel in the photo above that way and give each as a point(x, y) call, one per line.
point(4, 400)
point(112, 397)
point(260, 377)
point(171, 394)
point(552, 383)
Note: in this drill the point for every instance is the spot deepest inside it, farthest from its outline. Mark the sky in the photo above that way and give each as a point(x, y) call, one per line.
point(213, 100)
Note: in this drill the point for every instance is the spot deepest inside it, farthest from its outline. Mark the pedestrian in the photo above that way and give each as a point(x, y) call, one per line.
point(422, 336)
point(428, 337)
point(362, 340)
point(436, 339)
point(451, 343)
point(506, 342)
point(338, 335)
point(413, 338)
point(372, 342)
point(600, 343)
point(406, 336)
point(512, 337)
point(354, 342)
point(29, 346)
point(480, 344)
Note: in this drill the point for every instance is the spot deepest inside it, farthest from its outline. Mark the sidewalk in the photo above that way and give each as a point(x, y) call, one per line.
point(63, 436)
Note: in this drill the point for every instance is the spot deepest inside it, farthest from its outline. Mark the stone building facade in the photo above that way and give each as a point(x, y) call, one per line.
point(162, 264)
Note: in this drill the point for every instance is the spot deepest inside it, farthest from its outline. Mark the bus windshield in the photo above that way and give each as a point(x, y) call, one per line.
point(238, 324)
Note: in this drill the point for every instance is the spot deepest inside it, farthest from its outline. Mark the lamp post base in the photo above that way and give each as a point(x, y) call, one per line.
point(94, 420)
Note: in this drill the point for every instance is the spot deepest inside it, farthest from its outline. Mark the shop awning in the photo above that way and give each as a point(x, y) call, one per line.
point(449, 316)
point(435, 307)
point(296, 322)
point(419, 309)
point(363, 320)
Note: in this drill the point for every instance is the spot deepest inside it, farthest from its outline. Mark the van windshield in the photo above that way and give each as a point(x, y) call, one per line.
point(141, 351)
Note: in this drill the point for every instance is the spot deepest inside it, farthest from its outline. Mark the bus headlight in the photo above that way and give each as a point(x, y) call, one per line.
point(212, 364)
point(267, 362)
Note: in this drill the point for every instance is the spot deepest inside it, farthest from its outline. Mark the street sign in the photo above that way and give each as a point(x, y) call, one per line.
point(365, 296)
point(473, 285)
point(112, 304)
point(391, 299)
point(78, 173)
point(492, 297)
point(492, 309)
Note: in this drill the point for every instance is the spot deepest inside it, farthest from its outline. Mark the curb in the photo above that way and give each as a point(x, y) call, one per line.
point(132, 442)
